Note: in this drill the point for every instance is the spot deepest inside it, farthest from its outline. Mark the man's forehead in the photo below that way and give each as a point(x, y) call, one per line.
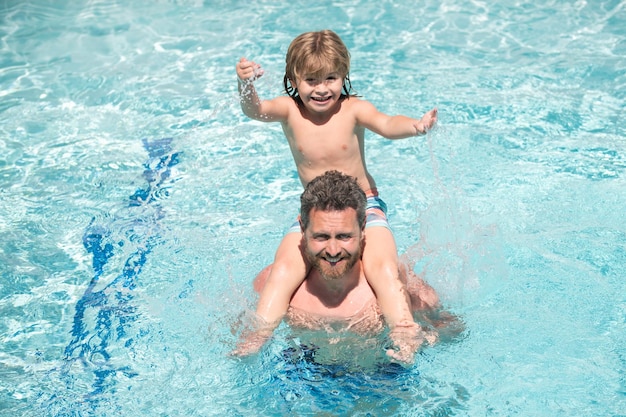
point(333, 219)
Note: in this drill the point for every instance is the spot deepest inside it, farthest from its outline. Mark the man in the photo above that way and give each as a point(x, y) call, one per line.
point(332, 218)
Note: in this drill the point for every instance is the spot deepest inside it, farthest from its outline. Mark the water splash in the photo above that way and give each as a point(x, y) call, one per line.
point(460, 256)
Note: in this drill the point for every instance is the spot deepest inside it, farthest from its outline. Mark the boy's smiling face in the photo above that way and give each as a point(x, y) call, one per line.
point(320, 93)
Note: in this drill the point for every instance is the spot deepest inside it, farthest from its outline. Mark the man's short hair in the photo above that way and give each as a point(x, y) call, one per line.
point(332, 191)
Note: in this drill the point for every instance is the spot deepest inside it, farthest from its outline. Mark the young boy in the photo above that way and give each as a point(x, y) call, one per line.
point(325, 125)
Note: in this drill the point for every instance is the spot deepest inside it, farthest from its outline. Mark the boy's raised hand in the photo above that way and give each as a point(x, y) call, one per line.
point(426, 123)
point(429, 119)
point(248, 70)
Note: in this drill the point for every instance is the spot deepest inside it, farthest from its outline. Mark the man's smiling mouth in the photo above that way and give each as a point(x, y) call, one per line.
point(333, 260)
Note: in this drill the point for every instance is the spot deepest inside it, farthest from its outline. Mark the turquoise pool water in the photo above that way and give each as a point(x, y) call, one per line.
point(137, 203)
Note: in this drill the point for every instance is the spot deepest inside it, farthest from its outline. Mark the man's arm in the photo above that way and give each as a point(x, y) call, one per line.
point(272, 306)
point(407, 336)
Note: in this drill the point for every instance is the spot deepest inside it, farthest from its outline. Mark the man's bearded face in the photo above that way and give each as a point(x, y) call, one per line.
point(333, 242)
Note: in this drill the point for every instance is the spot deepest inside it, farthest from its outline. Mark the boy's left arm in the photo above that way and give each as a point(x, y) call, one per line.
point(394, 127)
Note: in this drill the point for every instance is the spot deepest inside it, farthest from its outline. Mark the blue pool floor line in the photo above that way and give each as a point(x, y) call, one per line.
point(114, 301)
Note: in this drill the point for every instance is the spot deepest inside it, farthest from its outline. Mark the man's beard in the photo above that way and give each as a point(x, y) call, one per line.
point(332, 272)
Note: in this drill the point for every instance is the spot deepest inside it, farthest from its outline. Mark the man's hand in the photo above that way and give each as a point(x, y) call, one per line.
point(407, 339)
point(251, 343)
point(253, 332)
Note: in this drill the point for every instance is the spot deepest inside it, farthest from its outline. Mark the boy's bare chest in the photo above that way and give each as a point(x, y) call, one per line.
point(319, 141)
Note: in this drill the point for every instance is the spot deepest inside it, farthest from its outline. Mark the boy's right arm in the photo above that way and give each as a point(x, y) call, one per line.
point(264, 110)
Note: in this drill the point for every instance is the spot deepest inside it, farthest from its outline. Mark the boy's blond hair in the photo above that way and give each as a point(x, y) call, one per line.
point(316, 53)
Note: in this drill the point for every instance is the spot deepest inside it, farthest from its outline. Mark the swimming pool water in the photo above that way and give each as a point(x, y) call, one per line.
point(137, 203)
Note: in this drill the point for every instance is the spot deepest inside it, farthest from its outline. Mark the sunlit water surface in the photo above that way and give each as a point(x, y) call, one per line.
point(137, 203)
